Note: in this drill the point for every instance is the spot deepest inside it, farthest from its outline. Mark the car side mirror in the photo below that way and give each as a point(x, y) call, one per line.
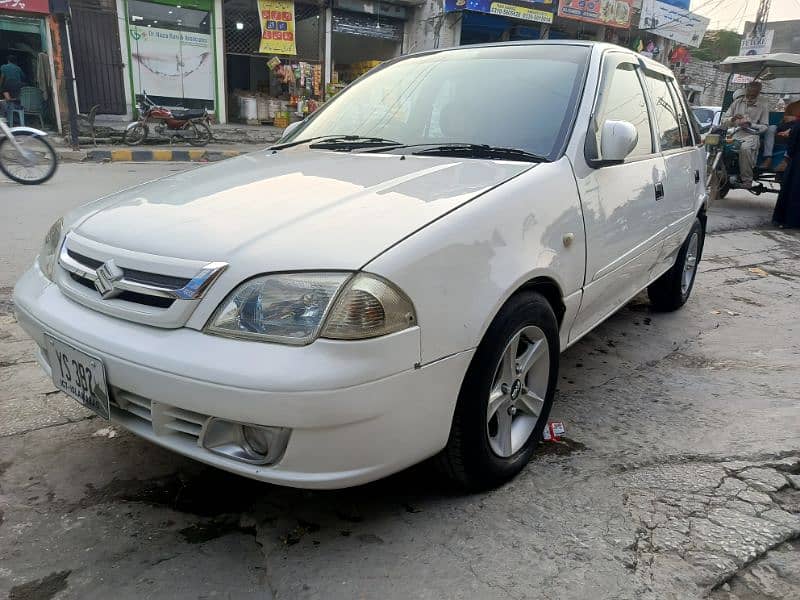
point(617, 140)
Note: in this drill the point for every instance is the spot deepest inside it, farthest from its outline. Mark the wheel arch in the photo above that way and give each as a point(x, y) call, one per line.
point(551, 291)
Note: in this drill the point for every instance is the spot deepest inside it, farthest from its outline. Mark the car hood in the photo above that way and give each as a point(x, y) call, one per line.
point(294, 209)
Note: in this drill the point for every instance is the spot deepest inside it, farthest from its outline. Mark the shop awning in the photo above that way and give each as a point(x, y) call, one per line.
point(766, 66)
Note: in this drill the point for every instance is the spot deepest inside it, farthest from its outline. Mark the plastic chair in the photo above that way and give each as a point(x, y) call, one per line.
point(32, 101)
point(12, 110)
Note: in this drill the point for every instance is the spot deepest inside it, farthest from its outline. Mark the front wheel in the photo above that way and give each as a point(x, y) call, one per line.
point(506, 395)
point(136, 134)
point(671, 291)
point(29, 159)
point(197, 134)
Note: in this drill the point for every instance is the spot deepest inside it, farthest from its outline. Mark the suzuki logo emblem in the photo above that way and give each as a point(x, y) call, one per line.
point(107, 274)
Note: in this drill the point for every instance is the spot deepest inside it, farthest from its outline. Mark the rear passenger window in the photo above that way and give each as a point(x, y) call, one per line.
point(666, 113)
point(686, 119)
point(624, 101)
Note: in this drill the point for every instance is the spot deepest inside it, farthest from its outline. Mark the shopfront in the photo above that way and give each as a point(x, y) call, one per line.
point(273, 59)
point(25, 35)
point(364, 35)
point(172, 52)
point(486, 21)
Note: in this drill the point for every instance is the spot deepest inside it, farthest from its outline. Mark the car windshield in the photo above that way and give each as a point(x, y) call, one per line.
point(515, 96)
point(703, 115)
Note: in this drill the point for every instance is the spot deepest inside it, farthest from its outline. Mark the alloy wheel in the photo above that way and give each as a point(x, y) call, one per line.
point(518, 391)
point(690, 264)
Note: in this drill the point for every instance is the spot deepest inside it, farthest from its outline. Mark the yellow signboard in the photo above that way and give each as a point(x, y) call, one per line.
point(521, 12)
point(277, 27)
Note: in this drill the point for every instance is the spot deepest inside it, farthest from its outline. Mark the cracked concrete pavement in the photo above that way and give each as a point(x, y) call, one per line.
point(679, 477)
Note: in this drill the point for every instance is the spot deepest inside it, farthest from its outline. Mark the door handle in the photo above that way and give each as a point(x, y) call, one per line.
point(696, 176)
point(659, 190)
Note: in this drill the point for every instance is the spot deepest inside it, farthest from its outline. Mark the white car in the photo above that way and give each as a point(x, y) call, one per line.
point(395, 280)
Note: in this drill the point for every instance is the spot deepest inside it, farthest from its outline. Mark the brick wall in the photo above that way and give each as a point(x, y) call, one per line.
point(704, 85)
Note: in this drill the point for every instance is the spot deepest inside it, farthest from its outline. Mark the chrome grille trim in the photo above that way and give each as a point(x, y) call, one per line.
point(193, 290)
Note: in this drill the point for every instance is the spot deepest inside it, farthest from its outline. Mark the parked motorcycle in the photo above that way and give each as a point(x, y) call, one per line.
point(191, 125)
point(25, 154)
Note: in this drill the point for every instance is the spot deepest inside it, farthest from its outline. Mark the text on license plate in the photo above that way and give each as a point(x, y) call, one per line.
point(79, 375)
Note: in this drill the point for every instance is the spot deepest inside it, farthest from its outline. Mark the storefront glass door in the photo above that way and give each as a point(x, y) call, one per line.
point(172, 53)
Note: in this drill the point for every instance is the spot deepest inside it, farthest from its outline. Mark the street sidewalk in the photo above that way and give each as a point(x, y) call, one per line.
point(231, 139)
point(173, 153)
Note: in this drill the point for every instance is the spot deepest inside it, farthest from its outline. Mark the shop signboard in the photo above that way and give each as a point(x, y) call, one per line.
point(515, 9)
point(614, 13)
point(174, 64)
point(755, 45)
point(31, 6)
point(277, 27)
point(672, 22)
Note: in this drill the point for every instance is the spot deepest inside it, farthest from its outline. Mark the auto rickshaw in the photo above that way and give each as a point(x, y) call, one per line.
point(723, 149)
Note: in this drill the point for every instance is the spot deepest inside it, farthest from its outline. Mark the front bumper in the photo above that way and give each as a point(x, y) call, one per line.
point(358, 411)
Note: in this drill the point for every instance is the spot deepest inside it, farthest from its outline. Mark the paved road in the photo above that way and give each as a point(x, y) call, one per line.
point(28, 211)
point(679, 477)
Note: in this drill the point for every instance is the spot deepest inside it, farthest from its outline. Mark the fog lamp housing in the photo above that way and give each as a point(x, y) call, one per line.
point(244, 442)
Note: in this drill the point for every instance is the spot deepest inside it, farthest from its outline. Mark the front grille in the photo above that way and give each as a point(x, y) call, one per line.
point(156, 279)
point(157, 301)
point(162, 419)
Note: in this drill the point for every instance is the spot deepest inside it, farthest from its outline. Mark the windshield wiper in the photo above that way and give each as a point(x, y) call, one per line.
point(482, 151)
point(351, 142)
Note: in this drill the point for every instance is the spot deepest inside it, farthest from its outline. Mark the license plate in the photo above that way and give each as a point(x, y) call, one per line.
point(79, 375)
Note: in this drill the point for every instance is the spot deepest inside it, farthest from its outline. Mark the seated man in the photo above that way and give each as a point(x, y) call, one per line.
point(790, 115)
point(750, 115)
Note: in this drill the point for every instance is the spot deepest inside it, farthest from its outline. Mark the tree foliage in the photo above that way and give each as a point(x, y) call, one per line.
point(718, 44)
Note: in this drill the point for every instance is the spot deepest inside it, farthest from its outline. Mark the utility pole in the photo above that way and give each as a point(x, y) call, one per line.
point(762, 16)
point(61, 10)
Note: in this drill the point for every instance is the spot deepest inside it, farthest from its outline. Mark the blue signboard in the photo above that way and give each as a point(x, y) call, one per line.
point(539, 12)
point(684, 4)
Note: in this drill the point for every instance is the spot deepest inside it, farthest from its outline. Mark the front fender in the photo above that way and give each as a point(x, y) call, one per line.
point(130, 126)
point(29, 130)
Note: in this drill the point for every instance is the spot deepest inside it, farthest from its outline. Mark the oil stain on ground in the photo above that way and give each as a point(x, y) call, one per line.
point(40, 589)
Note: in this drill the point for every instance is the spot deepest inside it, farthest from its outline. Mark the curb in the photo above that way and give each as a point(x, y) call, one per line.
point(160, 155)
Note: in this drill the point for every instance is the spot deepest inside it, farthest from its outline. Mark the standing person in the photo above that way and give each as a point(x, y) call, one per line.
point(11, 78)
point(751, 115)
point(787, 209)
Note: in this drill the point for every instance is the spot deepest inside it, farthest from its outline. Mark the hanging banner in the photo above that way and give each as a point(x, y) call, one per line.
point(277, 27)
point(614, 13)
point(673, 23)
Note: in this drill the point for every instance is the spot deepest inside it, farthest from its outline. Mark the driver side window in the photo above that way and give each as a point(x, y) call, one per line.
point(623, 99)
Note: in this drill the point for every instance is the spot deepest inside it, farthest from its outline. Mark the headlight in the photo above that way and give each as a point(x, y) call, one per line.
point(49, 252)
point(296, 308)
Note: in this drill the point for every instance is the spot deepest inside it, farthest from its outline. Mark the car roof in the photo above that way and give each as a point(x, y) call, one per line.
point(597, 46)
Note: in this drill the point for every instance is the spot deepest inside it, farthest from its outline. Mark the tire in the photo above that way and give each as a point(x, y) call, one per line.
point(203, 134)
point(136, 135)
point(196, 134)
point(23, 174)
point(720, 184)
point(476, 456)
point(671, 291)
